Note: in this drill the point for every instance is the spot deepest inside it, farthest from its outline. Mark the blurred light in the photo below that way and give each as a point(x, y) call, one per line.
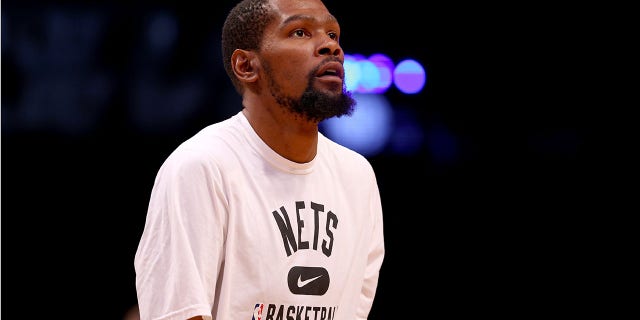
point(370, 76)
point(408, 135)
point(409, 76)
point(367, 130)
point(162, 32)
point(376, 74)
point(352, 72)
point(385, 67)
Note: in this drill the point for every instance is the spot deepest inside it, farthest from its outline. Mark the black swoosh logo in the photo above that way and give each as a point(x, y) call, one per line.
point(308, 280)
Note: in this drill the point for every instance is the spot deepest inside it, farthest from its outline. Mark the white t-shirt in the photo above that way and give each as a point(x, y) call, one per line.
point(236, 231)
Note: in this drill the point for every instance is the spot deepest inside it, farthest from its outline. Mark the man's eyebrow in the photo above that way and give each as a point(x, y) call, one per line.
point(304, 17)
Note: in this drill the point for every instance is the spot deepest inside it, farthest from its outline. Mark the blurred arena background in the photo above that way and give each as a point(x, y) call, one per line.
point(481, 170)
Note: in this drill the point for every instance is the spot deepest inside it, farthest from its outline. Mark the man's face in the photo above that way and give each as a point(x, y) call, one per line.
point(302, 61)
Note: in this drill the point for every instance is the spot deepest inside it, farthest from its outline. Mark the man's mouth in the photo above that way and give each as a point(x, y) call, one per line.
point(331, 70)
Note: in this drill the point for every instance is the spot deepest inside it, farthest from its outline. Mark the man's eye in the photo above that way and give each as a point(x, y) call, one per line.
point(299, 33)
point(333, 36)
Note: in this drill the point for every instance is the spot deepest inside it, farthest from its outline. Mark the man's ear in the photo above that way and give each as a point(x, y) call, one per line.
point(245, 65)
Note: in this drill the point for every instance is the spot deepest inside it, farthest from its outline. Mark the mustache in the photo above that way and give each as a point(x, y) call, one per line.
point(313, 72)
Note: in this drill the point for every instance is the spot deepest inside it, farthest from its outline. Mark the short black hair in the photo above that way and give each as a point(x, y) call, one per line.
point(243, 29)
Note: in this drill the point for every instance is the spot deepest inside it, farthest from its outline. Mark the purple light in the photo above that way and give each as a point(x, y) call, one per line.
point(409, 76)
point(367, 130)
point(376, 73)
point(385, 67)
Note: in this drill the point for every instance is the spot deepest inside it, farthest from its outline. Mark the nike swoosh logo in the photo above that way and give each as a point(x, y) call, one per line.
point(305, 282)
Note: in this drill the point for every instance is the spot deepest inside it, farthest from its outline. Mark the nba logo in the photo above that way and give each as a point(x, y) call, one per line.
point(257, 311)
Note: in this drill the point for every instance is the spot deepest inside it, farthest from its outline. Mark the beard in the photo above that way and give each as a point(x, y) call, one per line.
point(314, 105)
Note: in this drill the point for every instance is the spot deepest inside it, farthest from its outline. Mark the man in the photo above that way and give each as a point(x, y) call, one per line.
point(261, 216)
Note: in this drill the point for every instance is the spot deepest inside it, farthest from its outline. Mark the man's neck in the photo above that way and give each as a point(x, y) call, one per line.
point(290, 135)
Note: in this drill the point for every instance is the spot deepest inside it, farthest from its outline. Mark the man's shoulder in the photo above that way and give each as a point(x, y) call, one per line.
point(213, 144)
point(345, 156)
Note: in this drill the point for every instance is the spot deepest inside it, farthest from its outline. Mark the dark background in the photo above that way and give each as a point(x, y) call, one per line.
point(90, 111)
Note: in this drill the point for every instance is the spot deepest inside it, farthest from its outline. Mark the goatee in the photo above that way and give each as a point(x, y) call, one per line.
point(315, 105)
